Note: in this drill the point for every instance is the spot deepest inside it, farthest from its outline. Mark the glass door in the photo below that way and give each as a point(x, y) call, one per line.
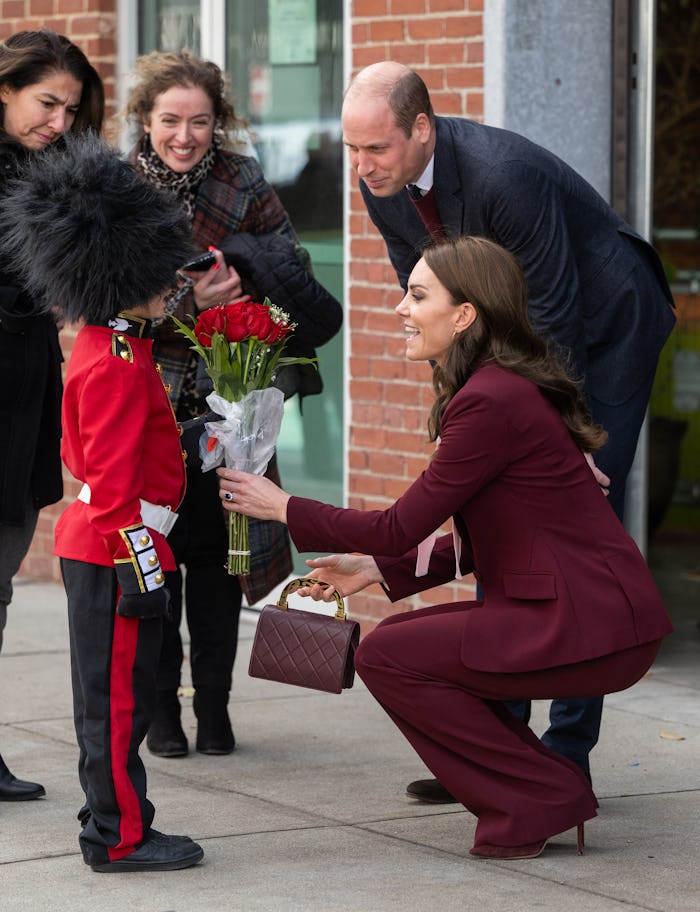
point(165, 25)
point(286, 66)
point(674, 445)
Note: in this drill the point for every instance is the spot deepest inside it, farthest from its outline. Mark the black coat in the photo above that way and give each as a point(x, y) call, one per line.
point(272, 266)
point(30, 390)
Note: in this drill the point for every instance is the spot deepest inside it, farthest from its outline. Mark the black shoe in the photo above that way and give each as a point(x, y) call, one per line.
point(430, 791)
point(166, 838)
point(155, 855)
point(13, 789)
point(214, 732)
point(165, 736)
point(154, 836)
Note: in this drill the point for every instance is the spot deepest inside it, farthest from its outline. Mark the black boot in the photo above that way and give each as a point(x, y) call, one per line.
point(13, 789)
point(165, 736)
point(214, 732)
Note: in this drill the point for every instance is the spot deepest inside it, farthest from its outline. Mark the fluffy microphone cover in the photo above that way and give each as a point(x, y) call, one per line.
point(86, 234)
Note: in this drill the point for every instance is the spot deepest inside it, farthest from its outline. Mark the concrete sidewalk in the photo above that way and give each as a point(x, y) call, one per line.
point(309, 813)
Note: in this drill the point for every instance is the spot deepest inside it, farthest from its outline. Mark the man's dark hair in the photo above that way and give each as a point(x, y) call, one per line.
point(408, 99)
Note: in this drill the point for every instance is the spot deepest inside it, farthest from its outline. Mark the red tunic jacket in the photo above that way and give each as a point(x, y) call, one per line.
point(563, 581)
point(121, 438)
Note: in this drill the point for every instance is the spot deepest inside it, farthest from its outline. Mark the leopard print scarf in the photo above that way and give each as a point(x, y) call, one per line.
point(184, 186)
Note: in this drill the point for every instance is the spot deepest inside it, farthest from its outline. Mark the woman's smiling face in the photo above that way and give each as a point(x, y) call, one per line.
point(430, 316)
point(181, 127)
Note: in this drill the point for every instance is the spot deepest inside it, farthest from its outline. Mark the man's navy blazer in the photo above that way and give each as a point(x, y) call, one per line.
point(595, 286)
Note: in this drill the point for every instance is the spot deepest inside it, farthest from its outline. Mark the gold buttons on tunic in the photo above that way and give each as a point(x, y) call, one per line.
point(145, 540)
point(159, 578)
point(121, 347)
point(152, 561)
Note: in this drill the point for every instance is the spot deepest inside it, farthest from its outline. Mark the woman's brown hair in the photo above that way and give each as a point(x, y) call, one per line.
point(477, 270)
point(28, 57)
point(159, 71)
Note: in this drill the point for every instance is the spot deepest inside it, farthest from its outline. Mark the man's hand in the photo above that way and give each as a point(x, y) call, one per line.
point(599, 476)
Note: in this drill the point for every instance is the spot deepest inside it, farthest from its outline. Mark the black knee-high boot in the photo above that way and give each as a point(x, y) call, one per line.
point(165, 736)
point(214, 732)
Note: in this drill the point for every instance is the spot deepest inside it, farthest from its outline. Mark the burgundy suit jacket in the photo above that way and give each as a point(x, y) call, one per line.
point(563, 581)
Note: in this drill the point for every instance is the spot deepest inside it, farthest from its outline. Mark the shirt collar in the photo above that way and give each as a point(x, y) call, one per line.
point(425, 181)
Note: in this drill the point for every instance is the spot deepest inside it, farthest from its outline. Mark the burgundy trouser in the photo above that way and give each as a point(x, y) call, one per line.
point(492, 762)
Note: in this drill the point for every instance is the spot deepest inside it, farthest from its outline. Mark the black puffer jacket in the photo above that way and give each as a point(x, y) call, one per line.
point(272, 266)
point(30, 389)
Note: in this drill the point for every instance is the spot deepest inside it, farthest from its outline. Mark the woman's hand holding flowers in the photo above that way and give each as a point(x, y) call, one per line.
point(252, 495)
point(242, 344)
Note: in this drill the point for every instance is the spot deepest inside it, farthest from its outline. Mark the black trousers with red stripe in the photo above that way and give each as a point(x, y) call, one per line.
point(113, 668)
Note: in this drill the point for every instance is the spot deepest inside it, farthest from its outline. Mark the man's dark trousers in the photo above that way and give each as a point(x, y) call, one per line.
point(574, 725)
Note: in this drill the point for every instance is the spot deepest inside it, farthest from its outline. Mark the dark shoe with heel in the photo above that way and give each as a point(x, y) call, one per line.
point(14, 789)
point(165, 736)
point(214, 733)
point(431, 791)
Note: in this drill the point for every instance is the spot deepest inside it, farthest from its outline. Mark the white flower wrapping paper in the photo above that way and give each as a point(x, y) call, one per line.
point(247, 434)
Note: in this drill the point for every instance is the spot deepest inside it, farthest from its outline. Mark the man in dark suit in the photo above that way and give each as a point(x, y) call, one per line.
point(596, 288)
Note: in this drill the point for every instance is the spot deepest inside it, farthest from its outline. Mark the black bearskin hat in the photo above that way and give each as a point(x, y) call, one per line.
point(85, 233)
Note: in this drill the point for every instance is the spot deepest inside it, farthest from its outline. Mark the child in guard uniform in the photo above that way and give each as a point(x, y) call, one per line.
point(87, 231)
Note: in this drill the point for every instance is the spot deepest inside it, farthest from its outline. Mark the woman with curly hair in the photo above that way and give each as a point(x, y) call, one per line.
point(187, 129)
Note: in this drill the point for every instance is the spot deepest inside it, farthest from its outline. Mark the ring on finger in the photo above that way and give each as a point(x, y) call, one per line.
point(228, 496)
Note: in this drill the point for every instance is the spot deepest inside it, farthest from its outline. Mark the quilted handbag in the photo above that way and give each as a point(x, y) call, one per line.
point(304, 647)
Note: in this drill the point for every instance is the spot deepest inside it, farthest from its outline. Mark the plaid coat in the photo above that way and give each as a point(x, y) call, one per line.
point(234, 197)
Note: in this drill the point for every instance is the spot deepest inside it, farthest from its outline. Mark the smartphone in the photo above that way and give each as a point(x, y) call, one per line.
point(200, 263)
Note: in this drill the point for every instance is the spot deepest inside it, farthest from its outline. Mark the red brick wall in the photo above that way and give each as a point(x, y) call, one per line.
point(91, 24)
point(389, 397)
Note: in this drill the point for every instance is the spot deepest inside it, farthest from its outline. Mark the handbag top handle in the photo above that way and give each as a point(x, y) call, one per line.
point(301, 583)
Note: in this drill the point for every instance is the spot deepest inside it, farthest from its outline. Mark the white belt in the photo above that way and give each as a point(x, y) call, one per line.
point(162, 519)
